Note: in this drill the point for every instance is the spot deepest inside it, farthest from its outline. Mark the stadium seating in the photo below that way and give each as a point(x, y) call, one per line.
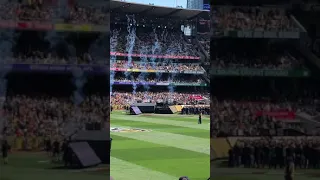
point(120, 100)
point(159, 53)
point(44, 12)
point(251, 18)
point(168, 42)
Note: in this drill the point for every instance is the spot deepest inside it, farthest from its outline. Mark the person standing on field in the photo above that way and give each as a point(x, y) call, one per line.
point(289, 169)
point(200, 118)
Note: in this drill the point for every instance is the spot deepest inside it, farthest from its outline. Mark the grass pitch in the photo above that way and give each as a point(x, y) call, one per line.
point(174, 146)
point(37, 166)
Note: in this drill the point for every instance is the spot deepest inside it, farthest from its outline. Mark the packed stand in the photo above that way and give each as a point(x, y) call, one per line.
point(40, 11)
point(79, 14)
point(168, 42)
point(163, 66)
point(25, 12)
point(274, 153)
point(256, 54)
point(145, 21)
point(156, 80)
point(205, 42)
point(248, 60)
point(195, 110)
point(236, 118)
point(38, 57)
point(44, 116)
point(120, 100)
point(251, 18)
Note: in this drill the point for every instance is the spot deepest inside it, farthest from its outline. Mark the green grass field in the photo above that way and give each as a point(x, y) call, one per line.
point(175, 146)
point(37, 166)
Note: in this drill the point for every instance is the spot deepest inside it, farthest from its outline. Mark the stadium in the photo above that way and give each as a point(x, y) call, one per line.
point(265, 81)
point(159, 86)
point(54, 89)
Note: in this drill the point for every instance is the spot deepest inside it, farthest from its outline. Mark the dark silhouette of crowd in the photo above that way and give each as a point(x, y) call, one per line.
point(256, 53)
point(196, 109)
point(270, 153)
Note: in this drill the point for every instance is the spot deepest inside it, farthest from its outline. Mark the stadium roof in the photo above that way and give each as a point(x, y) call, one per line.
point(157, 11)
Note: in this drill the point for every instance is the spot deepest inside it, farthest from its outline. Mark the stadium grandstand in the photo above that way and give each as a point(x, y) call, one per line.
point(159, 85)
point(265, 100)
point(54, 81)
point(158, 57)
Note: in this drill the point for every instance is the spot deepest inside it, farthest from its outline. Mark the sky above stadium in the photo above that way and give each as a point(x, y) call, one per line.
point(166, 3)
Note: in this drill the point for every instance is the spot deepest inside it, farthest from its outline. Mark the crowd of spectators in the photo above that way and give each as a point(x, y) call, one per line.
point(120, 100)
point(147, 41)
point(205, 42)
point(273, 153)
point(156, 80)
point(252, 18)
point(25, 12)
point(88, 14)
point(256, 54)
point(38, 57)
point(196, 110)
point(164, 66)
point(145, 21)
point(45, 116)
point(247, 118)
point(39, 10)
point(275, 61)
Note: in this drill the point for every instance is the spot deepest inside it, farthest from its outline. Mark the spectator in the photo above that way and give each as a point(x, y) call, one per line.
point(251, 18)
point(159, 66)
point(275, 152)
point(43, 116)
point(160, 42)
point(37, 11)
point(120, 100)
